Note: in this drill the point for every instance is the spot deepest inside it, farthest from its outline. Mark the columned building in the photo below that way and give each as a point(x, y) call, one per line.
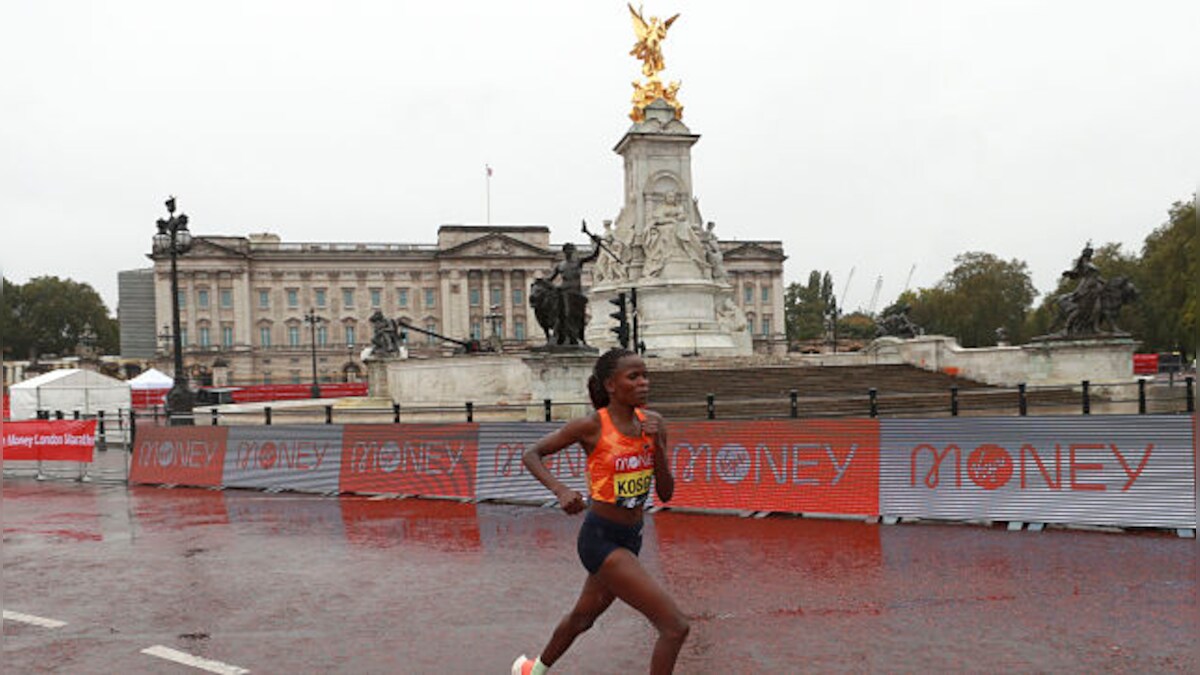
point(243, 300)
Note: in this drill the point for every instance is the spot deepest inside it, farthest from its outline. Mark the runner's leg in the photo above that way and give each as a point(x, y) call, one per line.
point(593, 600)
point(625, 577)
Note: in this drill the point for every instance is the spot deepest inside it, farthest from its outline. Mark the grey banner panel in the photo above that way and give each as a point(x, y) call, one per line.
point(502, 475)
point(1131, 470)
point(306, 458)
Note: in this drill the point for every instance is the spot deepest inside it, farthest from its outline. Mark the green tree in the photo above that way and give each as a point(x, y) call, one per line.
point(804, 309)
point(48, 315)
point(1168, 281)
point(856, 326)
point(982, 293)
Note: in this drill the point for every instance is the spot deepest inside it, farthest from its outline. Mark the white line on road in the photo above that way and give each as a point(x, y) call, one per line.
point(33, 620)
point(193, 661)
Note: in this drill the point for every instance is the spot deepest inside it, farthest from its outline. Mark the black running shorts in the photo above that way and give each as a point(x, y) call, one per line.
point(599, 536)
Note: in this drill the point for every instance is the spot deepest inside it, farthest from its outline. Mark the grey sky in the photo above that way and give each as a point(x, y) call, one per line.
point(873, 135)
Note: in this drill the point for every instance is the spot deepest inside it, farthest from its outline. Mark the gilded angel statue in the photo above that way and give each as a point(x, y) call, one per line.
point(650, 36)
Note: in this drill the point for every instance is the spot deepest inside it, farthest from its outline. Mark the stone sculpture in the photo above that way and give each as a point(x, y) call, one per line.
point(895, 322)
point(1094, 303)
point(385, 336)
point(561, 310)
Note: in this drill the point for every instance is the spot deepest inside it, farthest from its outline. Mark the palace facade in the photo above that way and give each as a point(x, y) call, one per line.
point(244, 300)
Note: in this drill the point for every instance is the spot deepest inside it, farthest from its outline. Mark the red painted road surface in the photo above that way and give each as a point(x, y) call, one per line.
point(286, 583)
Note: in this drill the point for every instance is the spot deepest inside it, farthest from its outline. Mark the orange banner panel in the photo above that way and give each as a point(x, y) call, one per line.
point(412, 459)
point(179, 455)
point(816, 466)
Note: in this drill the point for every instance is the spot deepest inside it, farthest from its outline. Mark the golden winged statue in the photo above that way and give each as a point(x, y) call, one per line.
point(650, 35)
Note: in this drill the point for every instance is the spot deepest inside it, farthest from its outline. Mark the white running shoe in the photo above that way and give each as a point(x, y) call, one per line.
point(522, 666)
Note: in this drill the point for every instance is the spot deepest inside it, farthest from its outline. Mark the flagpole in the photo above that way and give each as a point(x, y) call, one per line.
point(489, 193)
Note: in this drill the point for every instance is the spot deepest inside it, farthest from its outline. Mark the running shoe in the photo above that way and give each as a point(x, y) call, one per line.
point(522, 666)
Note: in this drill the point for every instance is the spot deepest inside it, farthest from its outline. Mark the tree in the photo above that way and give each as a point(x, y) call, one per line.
point(982, 293)
point(1168, 282)
point(856, 326)
point(803, 309)
point(48, 315)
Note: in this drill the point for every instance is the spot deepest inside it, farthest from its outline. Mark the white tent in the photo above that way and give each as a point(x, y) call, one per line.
point(152, 379)
point(150, 388)
point(68, 390)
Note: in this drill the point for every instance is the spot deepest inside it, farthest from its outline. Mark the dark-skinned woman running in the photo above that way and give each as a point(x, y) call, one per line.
point(626, 453)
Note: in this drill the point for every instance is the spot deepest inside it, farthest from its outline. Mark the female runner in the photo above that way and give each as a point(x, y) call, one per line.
point(626, 449)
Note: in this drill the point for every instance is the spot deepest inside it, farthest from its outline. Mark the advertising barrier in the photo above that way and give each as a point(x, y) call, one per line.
point(1127, 470)
point(305, 458)
point(410, 459)
point(1105, 470)
point(820, 466)
point(501, 473)
point(179, 456)
point(49, 441)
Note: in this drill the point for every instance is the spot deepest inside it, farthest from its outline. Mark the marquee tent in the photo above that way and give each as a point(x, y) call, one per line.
point(68, 390)
point(150, 388)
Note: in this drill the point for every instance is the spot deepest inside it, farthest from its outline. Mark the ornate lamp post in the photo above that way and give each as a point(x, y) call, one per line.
point(174, 239)
point(312, 320)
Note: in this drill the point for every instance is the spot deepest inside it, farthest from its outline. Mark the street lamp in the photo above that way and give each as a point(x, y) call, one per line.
point(312, 320)
point(174, 239)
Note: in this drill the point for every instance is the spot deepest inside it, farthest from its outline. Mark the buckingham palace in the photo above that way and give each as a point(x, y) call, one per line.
point(244, 299)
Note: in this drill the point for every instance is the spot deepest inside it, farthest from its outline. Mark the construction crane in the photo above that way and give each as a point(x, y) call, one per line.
point(845, 289)
point(875, 294)
point(910, 273)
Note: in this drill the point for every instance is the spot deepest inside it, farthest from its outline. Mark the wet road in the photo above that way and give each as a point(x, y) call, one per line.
point(292, 583)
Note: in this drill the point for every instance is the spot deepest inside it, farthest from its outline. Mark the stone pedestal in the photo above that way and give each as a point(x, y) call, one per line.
point(518, 383)
point(1057, 361)
point(685, 303)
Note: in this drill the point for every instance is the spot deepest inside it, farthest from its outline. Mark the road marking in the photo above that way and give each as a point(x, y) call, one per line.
point(193, 661)
point(33, 620)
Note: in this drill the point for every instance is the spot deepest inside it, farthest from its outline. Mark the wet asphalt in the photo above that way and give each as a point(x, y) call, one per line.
point(292, 583)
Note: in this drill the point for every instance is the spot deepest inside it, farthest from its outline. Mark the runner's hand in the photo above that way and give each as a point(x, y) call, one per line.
point(571, 501)
point(651, 426)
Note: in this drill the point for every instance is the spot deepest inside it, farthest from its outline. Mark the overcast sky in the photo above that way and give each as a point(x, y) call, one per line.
point(876, 136)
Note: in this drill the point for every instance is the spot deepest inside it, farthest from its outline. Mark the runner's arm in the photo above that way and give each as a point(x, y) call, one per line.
point(576, 431)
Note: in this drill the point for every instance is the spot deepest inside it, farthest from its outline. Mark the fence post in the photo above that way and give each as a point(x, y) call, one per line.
point(395, 413)
point(954, 401)
point(1191, 393)
point(214, 416)
point(874, 402)
point(328, 414)
point(1087, 398)
point(470, 411)
point(132, 428)
point(1141, 396)
point(100, 432)
point(793, 395)
point(1022, 400)
point(546, 405)
point(267, 415)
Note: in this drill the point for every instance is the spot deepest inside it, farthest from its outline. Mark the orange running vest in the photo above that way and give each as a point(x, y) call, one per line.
point(620, 468)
